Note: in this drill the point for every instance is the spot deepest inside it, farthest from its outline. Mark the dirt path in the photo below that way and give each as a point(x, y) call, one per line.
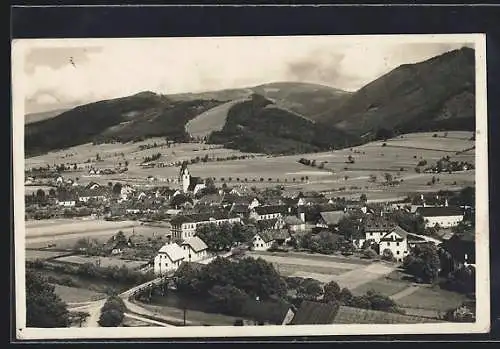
point(304, 261)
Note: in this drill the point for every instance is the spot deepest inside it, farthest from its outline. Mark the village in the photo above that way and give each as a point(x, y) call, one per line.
point(367, 258)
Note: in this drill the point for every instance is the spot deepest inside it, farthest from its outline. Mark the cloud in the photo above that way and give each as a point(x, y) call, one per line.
point(123, 67)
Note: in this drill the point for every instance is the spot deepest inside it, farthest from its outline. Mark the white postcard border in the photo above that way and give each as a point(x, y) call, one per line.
point(482, 324)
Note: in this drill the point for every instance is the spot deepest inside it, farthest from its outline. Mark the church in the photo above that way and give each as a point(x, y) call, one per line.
point(189, 183)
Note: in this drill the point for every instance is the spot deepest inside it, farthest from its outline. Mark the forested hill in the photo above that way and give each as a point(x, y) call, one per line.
point(258, 125)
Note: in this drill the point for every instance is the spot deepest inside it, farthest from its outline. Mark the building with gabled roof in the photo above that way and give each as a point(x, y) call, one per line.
point(184, 226)
point(269, 212)
point(330, 219)
point(195, 248)
point(443, 216)
point(169, 258)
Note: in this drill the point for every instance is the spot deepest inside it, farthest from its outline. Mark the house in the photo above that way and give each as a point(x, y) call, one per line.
point(184, 226)
point(92, 185)
point(269, 212)
point(257, 312)
point(330, 219)
point(98, 193)
point(315, 313)
point(210, 200)
point(262, 241)
point(240, 210)
point(195, 248)
point(169, 258)
point(294, 224)
point(462, 248)
point(67, 198)
point(395, 241)
point(375, 228)
point(274, 223)
point(443, 216)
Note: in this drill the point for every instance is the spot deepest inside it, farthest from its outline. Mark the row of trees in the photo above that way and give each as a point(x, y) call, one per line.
point(151, 158)
point(117, 274)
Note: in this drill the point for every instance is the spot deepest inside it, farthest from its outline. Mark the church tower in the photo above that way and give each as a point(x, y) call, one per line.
point(184, 177)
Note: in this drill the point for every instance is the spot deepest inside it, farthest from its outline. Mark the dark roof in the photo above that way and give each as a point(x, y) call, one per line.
point(99, 191)
point(210, 199)
point(332, 217)
point(266, 236)
point(350, 315)
point(67, 196)
point(238, 208)
point(266, 224)
point(315, 313)
point(270, 209)
point(191, 265)
point(440, 211)
point(378, 223)
point(278, 234)
point(399, 231)
point(273, 312)
point(193, 181)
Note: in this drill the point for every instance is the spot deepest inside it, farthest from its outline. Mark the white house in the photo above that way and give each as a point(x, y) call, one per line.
point(262, 241)
point(184, 226)
point(168, 259)
point(395, 241)
point(444, 216)
point(195, 249)
point(269, 212)
point(375, 228)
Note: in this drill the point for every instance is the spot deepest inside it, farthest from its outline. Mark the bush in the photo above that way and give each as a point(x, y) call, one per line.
point(112, 312)
point(387, 255)
point(369, 253)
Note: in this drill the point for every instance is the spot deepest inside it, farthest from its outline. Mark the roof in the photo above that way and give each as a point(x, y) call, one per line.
point(67, 196)
point(199, 217)
point(88, 192)
point(378, 223)
point(193, 182)
point(270, 209)
point(195, 243)
point(273, 312)
point(210, 199)
point(315, 313)
point(350, 315)
point(442, 211)
point(173, 251)
point(192, 265)
point(278, 234)
point(332, 217)
point(266, 224)
point(399, 231)
point(239, 208)
point(265, 235)
point(293, 220)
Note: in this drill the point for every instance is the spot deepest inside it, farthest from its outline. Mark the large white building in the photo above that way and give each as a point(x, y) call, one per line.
point(443, 216)
point(169, 258)
point(184, 227)
point(395, 241)
point(195, 249)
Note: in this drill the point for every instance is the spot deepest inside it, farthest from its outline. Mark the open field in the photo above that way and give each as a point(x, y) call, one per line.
point(338, 177)
point(66, 237)
point(432, 299)
point(72, 226)
point(32, 255)
point(75, 294)
point(102, 261)
point(326, 268)
point(385, 286)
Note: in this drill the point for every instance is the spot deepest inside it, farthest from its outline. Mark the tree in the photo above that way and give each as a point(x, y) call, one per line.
point(117, 188)
point(387, 255)
point(363, 198)
point(310, 289)
point(388, 177)
point(373, 178)
point(345, 296)
point(44, 308)
point(423, 262)
point(381, 302)
point(52, 193)
point(350, 159)
point(112, 312)
point(40, 195)
point(331, 292)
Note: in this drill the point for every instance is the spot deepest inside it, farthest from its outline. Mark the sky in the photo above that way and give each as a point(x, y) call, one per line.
point(82, 71)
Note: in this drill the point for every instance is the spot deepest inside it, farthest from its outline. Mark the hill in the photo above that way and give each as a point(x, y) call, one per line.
point(35, 117)
point(310, 100)
point(436, 94)
point(132, 118)
point(258, 125)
